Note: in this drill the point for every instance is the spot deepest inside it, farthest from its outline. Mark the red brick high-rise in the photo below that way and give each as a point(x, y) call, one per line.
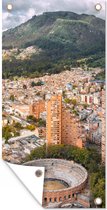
point(62, 126)
point(53, 122)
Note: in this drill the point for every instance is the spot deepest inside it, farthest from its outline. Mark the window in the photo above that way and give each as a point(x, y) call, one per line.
point(86, 99)
point(73, 195)
point(69, 196)
point(60, 199)
point(45, 199)
point(50, 199)
point(90, 99)
point(65, 197)
point(55, 199)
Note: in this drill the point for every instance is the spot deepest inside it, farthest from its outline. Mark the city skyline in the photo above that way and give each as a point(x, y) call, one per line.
point(67, 126)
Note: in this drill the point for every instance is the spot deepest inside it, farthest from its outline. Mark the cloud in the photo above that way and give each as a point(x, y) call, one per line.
point(24, 10)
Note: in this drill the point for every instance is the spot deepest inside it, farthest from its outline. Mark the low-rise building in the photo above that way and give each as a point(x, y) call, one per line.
point(37, 108)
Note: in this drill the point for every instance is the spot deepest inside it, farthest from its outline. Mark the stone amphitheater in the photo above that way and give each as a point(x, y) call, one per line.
point(71, 175)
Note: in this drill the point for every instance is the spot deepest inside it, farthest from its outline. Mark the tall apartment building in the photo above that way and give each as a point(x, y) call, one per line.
point(53, 125)
point(103, 126)
point(72, 132)
point(62, 126)
point(37, 107)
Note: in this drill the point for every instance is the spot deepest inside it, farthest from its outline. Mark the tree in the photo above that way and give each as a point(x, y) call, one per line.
point(18, 125)
point(39, 83)
point(41, 123)
point(12, 98)
point(67, 100)
point(74, 102)
point(75, 112)
point(30, 127)
point(85, 106)
point(33, 84)
point(99, 190)
point(8, 130)
point(64, 94)
point(16, 133)
point(7, 136)
point(97, 184)
point(31, 118)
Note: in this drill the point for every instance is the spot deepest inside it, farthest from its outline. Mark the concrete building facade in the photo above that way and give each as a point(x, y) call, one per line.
point(91, 98)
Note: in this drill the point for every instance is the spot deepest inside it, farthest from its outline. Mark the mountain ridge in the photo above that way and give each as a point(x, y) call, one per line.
point(47, 20)
point(63, 38)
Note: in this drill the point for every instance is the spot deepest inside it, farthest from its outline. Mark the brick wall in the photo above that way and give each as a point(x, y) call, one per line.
point(53, 124)
point(62, 196)
point(36, 108)
point(62, 126)
point(71, 129)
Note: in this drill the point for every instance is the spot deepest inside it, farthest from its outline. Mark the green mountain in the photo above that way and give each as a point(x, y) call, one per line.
point(61, 38)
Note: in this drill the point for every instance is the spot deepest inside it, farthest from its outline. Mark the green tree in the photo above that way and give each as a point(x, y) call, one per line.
point(33, 84)
point(41, 122)
point(12, 98)
point(85, 106)
point(18, 125)
point(75, 112)
point(7, 136)
point(30, 127)
point(31, 118)
point(74, 102)
point(67, 100)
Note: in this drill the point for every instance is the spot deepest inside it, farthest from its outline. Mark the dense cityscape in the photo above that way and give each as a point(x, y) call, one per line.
point(53, 99)
point(60, 109)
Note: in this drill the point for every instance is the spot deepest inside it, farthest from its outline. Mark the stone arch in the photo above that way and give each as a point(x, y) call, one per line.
point(69, 196)
point(60, 198)
point(55, 199)
point(45, 199)
point(73, 195)
point(50, 200)
point(65, 197)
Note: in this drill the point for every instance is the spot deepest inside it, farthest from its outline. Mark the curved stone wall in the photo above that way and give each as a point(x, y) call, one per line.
point(72, 173)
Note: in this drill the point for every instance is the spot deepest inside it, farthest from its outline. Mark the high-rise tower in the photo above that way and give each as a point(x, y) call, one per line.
point(62, 126)
point(53, 126)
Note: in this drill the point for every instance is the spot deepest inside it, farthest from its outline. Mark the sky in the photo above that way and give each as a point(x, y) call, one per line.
point(23, 10)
